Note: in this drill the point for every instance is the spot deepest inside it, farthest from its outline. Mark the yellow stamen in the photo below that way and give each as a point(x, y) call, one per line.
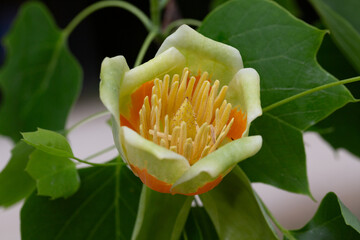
point(191, 121)
point(164, 96)
point(172, 96)
point(190, 87)
point(201, 80)
point(182, 137)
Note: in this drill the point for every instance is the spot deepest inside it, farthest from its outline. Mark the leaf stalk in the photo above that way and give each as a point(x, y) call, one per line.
point(307, 92)
point(105, 4)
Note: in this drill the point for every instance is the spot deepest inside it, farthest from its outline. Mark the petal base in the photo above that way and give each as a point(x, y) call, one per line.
point(151, 181)
point(207, 187)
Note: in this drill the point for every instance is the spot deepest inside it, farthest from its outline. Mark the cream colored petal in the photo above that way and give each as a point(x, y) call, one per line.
point(216, 164)
point(170, 61)
point(244, 93)
point(204, 54)
point(159, 162)
point(112, 76)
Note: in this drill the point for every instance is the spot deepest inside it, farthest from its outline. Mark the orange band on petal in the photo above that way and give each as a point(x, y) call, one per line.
point(207, 187)
point(137, 100)
point(210, 185)
point(125, 123)
point(151, 181)
point(239, 125)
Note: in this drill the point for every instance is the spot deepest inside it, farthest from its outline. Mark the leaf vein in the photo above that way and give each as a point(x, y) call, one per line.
point(72, 217)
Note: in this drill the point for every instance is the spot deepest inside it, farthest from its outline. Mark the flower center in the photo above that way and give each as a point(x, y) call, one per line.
point(187, 115)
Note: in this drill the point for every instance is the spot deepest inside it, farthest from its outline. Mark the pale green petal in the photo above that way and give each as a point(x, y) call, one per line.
point(160, 162)
point(169, 62)
point(112, 75)
point(244, 93)
point(217, 163)
point(204, 54)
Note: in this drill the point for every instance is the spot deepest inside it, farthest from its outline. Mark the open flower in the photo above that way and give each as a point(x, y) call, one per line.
point(181, 120)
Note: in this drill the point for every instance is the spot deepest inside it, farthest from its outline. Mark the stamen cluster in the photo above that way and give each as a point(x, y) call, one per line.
point(186, 115)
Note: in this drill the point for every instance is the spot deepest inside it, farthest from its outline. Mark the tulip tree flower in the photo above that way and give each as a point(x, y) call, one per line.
point(181, 120)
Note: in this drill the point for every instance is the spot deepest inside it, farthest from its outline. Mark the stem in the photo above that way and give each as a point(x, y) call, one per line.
point(144, 47)
point(155, 12)
point(278, 225)
point(95, 164)
point(104, 4)
point(322, 87)
point(180, 22)
point(99, 153)
point(85, 120)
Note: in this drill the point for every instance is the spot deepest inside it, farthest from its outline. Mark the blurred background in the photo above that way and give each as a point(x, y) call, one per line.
point(110, 32)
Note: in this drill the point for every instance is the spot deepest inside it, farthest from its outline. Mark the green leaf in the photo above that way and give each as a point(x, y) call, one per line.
point(40, 79)
point(289, 145)
point(55, 176)
point(215, 3)
point(15, 183)
point(343, 20)
point(290, 5)
point(331, 58)
point(104, 208)
point(234, 210)
point(342, 128)
point(49, 142)
point(282, 49)
point(340, 131)
point(199, 226)
point(331, 221)
point(161, 215)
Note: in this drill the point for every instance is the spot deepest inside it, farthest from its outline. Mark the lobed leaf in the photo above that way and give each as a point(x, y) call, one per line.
point(332, 59)
point(291, 5)
point(342, 18)
point(15, 183)
point(50, 142)
point(289, 145)
point(282, 49)
point(55, 176)
point(341, 129)
point(104, 208)
point(40, 79)
point(333, 220)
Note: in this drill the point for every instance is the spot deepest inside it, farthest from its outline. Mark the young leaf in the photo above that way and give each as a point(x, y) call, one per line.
point(282, 49)
point(333, 220)
point(199, 226)
point(161, 215)
point(55, 176)
point(104, 208)
point(15, 183)
point(40, 79)
point(49, 142)
point(234, 210)
point(343, 20)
